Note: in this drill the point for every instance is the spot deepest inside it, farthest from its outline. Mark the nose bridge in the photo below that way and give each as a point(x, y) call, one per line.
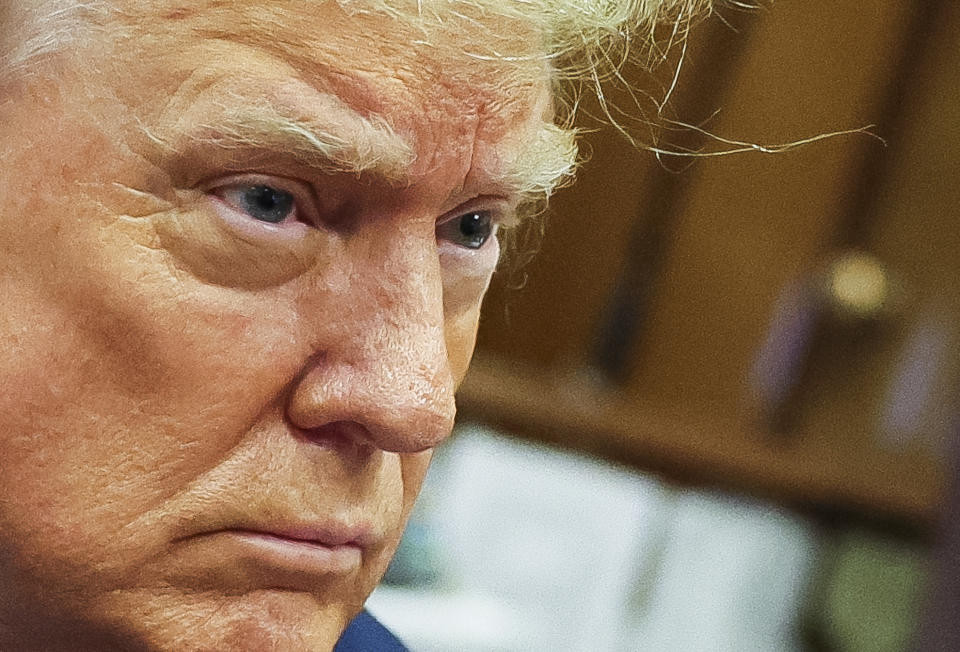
point(383, 363)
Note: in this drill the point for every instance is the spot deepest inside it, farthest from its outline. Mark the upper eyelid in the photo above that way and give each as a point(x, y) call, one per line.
point(256, 179)
point(503, 211)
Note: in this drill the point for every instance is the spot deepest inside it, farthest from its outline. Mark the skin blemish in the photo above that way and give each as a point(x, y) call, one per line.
point(180, 13)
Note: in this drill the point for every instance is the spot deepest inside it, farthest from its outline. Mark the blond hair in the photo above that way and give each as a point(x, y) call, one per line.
point(583, 38)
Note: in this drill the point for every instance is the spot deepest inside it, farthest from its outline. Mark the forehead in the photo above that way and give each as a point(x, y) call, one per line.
point(322, 38)
point(429, 78)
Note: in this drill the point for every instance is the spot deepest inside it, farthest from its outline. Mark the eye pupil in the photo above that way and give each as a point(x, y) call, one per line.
point(267, 204)
point(475, 229)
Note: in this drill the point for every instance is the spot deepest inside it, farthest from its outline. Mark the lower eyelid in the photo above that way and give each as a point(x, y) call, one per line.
point(245, 226)
point(471, 262)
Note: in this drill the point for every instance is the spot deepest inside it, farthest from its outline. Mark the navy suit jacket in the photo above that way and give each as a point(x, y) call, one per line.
point(365, 634)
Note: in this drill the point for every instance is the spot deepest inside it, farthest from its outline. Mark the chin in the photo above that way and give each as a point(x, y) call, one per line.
point(278, 620)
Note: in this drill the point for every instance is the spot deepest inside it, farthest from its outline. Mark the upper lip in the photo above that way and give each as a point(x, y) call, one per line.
point(329, 534)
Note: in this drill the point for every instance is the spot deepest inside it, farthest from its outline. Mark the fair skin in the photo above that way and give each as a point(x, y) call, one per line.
point(226, 360)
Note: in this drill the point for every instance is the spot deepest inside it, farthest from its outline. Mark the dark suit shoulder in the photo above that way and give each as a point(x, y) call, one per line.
point(366, 634)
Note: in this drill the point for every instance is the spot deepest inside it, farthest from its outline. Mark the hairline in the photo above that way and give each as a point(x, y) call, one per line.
point(583, 35)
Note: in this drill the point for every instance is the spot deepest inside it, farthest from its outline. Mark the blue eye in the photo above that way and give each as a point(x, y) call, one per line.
point(264, 203)
point(470, 230)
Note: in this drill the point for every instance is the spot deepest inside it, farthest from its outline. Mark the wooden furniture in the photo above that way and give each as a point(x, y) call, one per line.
point(784, 324)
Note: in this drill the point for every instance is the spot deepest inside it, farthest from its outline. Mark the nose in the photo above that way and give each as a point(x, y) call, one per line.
point(380, 371)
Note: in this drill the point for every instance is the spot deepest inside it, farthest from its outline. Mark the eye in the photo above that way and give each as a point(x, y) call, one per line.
point(261, 202)
point(470, 230)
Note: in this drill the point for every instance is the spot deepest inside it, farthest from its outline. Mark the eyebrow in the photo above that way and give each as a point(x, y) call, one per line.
point(343, 140)
point(542, 163)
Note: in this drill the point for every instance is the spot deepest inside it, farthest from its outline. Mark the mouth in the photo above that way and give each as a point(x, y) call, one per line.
point(298, 558)
point(313, 553)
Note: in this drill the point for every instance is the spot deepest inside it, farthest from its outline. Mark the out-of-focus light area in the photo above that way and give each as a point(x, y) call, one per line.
point(520, 547)
point(859, 285)
point(718, 410)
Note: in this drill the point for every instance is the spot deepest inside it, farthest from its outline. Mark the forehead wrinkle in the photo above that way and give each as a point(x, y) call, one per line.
point(333, 135)
point(341, 140)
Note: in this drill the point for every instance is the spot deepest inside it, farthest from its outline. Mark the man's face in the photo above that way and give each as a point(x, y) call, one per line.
point(226, 358)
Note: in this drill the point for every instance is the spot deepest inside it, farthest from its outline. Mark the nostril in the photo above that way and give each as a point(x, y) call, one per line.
point(394, 405)
point(344, 436)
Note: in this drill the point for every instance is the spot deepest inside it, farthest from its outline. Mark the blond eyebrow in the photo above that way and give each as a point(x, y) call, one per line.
point(542, 163)
point(342, 140)
point(348, 143)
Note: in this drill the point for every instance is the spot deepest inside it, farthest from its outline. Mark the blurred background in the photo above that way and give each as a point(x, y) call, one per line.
point(717, 410)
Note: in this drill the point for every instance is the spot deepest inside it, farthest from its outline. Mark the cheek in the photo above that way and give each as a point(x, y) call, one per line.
point(461, 336)
point(122, 384)
point(109, 414)
point(413, 469)
point(463, 294)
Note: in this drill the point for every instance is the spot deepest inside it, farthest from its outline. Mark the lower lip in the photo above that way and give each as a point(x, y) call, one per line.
point(264, 549)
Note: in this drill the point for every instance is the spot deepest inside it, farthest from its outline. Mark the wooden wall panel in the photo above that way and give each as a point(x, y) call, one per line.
point(549, 314)
point(705, 260)
point(752, 223)
point(905, 374)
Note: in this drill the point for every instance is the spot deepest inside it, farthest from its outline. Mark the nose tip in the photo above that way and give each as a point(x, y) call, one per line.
point(403, 409)
point(379, 336)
